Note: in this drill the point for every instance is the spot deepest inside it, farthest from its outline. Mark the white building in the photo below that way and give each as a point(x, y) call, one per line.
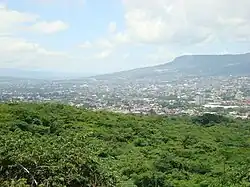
point(199, 100)
point(239, 95)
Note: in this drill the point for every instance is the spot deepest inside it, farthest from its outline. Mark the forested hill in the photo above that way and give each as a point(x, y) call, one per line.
point(57, 145)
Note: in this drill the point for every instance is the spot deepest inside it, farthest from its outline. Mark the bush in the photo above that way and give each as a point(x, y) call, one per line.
point(210, 119)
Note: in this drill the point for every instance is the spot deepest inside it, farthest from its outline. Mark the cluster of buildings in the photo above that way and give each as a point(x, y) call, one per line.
point(191, 96)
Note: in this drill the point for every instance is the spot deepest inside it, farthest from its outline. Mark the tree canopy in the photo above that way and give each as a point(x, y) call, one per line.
point(58, 145)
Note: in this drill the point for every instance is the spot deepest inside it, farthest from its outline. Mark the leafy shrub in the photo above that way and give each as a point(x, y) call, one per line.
point(210, 119)
point(63, 146)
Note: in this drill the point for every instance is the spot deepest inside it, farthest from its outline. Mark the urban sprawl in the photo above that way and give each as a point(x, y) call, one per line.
point(228, 96)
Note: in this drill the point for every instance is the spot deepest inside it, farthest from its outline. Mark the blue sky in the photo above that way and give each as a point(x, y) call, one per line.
point(102, 36)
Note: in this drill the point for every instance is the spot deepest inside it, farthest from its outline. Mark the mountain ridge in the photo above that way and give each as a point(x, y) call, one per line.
point(185, 65)
point(16, 73)
point(197, 65)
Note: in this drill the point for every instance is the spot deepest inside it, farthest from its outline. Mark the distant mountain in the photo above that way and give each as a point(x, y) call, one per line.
point(38, 74)
point(190, 65)
point(211, 64)
point(183, 66)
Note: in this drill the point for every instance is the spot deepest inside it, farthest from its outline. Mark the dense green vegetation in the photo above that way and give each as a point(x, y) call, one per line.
point(58, 145)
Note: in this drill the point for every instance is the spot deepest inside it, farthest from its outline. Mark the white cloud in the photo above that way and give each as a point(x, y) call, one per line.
point(18, 45)
point(155, 31)
point(11, 44)
point(103, 54)
point(102, 43)
point(161, 55)
point(86, 45)
point(112, 27)
point(99, 49)
point(182, 22)
point(48, 27)
point(122, 38)
point(19, 52)
point(186, 21)
point(13, 21)
point(126, 55)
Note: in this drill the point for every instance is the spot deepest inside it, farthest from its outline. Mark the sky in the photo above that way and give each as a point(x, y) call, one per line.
point(103, 36)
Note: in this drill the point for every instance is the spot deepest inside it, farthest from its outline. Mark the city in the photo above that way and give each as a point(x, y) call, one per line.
point(225, 95)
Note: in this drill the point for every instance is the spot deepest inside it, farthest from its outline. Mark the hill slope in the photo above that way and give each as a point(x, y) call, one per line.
point(190, 65)
point(65, 146)
point(212, 64)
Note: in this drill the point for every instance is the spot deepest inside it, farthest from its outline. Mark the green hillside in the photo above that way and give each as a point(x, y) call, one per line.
point(57, 145)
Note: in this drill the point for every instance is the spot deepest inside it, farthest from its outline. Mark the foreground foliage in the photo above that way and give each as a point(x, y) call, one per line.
point(58, 145)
